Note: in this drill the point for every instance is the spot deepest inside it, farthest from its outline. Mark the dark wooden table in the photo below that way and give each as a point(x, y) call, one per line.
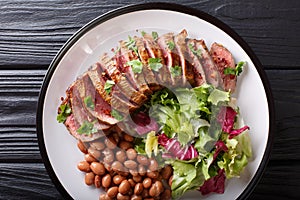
point(32, 32)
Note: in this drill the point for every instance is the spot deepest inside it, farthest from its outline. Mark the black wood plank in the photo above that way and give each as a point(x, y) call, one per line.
point(32, 32)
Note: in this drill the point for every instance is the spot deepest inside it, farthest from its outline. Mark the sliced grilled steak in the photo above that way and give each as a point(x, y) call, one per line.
point(83, 117)
point(109, 66)
point(162, 75)
point(147, 72)
point(93, 102)
point(199, 74)
point(180, 44)
point(98, 81)
point(211, 72)
point(136, 78)
point(223, 59)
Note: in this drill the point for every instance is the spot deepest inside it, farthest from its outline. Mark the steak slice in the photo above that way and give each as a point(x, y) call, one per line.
point(211, 72)
point(115, 98)
point(82, 117)
point(109, 66)
point(199, 74)
point(224, 59)
point(93, 102)
point(147, 72)
point(180, 44)
point(137, 79)
point(163, 76)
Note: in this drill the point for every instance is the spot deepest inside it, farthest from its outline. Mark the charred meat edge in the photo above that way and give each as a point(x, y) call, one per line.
point(211, 72)
point(136, 79)
point(121, 83)
point(149, 76)
point(199, 74)
point(224, 59)
point(163, 76)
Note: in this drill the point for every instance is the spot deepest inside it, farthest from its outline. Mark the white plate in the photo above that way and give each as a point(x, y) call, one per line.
point(59, 149)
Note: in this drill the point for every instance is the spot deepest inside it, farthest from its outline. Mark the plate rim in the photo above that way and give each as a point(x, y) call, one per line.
point(154, 6)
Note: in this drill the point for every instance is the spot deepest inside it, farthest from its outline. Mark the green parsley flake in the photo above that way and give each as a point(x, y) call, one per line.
point(154, 35)
point(130, 44)
point(235, 71)
point(171, 45)
point(143, 33)
point(155, 64)
point(108, 86)
point(89, 102)
point(195, 51)
point(65, 111)
point(115, 114)
point(87, 128)
point(176, 71)
point(136, 66)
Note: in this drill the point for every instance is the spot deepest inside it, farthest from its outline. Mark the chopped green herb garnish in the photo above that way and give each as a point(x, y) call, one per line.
point(115, 114)
point(87, 128)
point(108, 86)
point(235, 71)
point(195, 51)
point(65, 111)
point(89, 102)
point(171, 45)
point(143, 33)
point(155, 64)
point(176, 71)
point(154, 35)
point(131, 45)
point(136, 65)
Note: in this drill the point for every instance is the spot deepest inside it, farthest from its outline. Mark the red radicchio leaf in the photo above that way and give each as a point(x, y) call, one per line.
point(220, 146)
point(236, 132)
point(144, 124)
point(175, 150)
point(226, 118)
point(214, 184)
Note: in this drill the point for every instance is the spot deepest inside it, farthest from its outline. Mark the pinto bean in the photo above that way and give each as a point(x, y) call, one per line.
point(112, 192)
point(117, 166)
point(125, 145)
point(81, 146)
point(121, 156)
point(98, 168)
point(110, 142)
point(136, 197)
point(143, 160)
point(108, 155)
point(97, 181)
point(138, 189)
point(153, 175)
point(89, 178)
point(89, 158)
point(117, 179)
point(131, 154)
point(170, 181)
point(166, 172)
point(84, 166)
point(147, 182)
point(156, 189)
point(122, 197)
point(128, 138)
point(124, 187)
point(106, 180)
point(94, 152)
point(166, 195)
point(153, 166)
point(137, 179)
point(130, 164)
point(98, 145)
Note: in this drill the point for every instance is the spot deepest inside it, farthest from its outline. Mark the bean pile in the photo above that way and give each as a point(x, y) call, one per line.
point(113, 164)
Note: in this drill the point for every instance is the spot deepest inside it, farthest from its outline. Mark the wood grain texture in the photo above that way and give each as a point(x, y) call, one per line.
point(32, 31)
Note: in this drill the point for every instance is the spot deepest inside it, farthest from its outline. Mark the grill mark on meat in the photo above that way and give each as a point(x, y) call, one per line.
point(223, 59)
point(101, 109)
point(137, 79)
point(98, 81)
point(199, 74)
point(179, 40)
point(168, 53)
point(211, 72)
point(154, 51)
point(147, 72)
point(121, 83)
